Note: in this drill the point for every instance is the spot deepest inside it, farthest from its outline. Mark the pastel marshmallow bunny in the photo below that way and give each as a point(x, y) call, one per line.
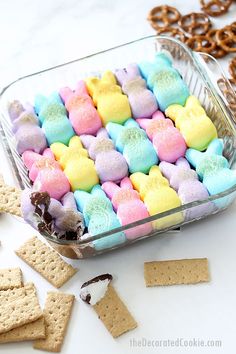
point(142, 101)
point(214, 170)
point(25, 126)
point(110, 164)
point(78, 168)
point(158, 196)
point(167, 140)
point(185, 181)
point(82, 113)
point(46, 173)
point(196, 127)
point(164, 80)
point(128, 206)
point(52, 116)
point(134, 144)
point(107, 96)
point(50, 214)
point(99, 217)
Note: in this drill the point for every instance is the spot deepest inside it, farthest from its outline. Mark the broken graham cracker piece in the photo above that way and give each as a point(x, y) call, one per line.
point(182, 271)
point(10, 199)
point(57, 313)
point(46, 262)
point(18, 307)
point(99, 293)
point(30, 331)
point(10, 278)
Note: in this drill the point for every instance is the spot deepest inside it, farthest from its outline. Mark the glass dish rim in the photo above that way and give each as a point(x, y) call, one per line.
point(172, 211)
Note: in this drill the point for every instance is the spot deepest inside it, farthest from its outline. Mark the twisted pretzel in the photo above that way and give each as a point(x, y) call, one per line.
point(201, 44)
point(163, 16)
point(195, 23)
point(172, 32)
point(226, 38)
point(232, 69)
point(215, 7)
point(217, 52)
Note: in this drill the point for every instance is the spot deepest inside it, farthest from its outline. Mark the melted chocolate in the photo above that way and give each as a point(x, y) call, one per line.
point(96, 279)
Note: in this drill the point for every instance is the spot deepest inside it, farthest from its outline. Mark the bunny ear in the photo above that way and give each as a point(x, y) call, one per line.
point(192, 101)
point(133, 70)
point(55, 208)
point(81, 89)
point(131, 123)
point(15, 108)
point(155, 172)
point(29, 157)
point(163, 59)
point(114, 130)
point(109, 77)
point(110, 188)
point(120, 76)
point(182, 162)
point(193, 156)
point(29, 108)
point(48, 153)
point(39, 102)
point(174, 111)
point(55, 97)
point(65, 93)
point(82, 198)
point(97, 190)
point(87, 140)
point(158, 115)
point(102, 133)
point(75, 143)
point(215, 147)
point(167, 169)
point(68, 201)
point(143, 122)
point(91, 84)
point(126, 183)
point(58, 150)
point(138, 179)
point(145, 68)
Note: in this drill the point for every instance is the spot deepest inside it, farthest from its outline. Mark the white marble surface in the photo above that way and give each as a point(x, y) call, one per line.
point(39, 34)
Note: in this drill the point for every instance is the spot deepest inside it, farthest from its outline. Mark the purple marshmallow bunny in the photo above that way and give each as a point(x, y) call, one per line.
point(142, 101)
point(64, 215)
point(185, 181)
point(110, 164)
point(28, 134)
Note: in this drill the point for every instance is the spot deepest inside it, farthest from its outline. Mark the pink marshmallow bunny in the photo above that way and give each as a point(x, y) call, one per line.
point(82, 113)
point(46, 173)
point(109, 163)
point(167, 140)
point(129, 207)
point(142, 101)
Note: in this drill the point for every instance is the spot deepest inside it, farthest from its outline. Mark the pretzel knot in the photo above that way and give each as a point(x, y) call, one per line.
point(195, 23)
point(163, 16)
point(215, 7)
point(201, 44)
point(232, 69)
point(217, 52)
point(172, 32)
point(226, 38)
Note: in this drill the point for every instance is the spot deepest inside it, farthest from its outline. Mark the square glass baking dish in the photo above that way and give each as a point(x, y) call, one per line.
point(205, 79)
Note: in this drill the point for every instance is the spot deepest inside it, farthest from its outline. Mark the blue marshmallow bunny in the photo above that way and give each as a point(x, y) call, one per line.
point(53, 118)
point(165, 81)
point(99, 217)
point(213, 169)
point(134, 144)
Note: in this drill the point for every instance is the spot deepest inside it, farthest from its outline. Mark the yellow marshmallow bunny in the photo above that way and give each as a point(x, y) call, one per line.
point(112, 104)
point(196, 127)
point(158, 196)
point(78, 168)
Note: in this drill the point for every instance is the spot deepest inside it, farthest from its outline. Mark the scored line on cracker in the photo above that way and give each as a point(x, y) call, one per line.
point(18, 307)
point(10, 278)
point(46, 262)
point(173, 272)
point(57, 313)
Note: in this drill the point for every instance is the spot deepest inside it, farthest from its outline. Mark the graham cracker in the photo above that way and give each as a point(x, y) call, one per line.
point(46, 262)
point(10, 278)
point(30, 331)
point(114, 314)
point(57, 313)
point(182, 271)
point(18, 307)
point(10, 199)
